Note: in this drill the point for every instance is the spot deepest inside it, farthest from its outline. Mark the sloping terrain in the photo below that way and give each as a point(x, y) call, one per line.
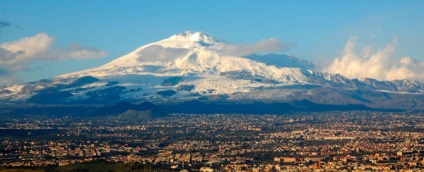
point(193, 66)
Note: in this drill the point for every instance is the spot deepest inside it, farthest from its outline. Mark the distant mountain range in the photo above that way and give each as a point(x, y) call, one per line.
point(190, 73)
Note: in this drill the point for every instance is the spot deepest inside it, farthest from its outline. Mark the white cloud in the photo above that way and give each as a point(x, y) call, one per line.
point(263, 46)
point(16, 55)
point(164, 54)
point(40, 47)
point(159, 53)
point(379, 64)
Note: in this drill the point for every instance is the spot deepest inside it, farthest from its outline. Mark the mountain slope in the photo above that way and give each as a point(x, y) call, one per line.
point(193, 66)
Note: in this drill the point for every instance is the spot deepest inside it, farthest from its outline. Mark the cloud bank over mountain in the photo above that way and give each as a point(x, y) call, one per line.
point(16, 55)
point(378, 64)
point(263, 46)
point(160, 53)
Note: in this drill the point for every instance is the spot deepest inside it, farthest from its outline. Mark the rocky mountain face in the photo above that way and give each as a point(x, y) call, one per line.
point(194, 67)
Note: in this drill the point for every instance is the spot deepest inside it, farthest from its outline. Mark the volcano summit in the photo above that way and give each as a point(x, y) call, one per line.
point(193, 66)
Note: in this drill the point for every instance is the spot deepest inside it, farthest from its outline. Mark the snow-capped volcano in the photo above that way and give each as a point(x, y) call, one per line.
point(194, 54)
point(194, 66)
point(167, 50)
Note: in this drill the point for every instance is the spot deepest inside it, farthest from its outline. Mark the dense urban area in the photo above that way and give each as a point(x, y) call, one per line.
point(328, 141)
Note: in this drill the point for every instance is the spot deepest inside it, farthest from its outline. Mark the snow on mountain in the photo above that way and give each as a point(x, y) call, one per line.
point(196, 55)
point(280, 60)
point(190, 66)
point(184, 54)
point(190, 54)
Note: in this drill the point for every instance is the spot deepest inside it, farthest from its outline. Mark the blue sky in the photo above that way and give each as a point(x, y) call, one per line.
point(320, 29)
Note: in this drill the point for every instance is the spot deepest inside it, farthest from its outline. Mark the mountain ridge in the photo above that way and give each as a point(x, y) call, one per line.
point(193, 66)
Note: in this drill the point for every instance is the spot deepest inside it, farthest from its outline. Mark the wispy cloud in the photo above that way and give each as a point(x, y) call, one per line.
point(16, 55)
point(4, 24)
point(160, 53)
point(379, 64)
point(263, 46)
